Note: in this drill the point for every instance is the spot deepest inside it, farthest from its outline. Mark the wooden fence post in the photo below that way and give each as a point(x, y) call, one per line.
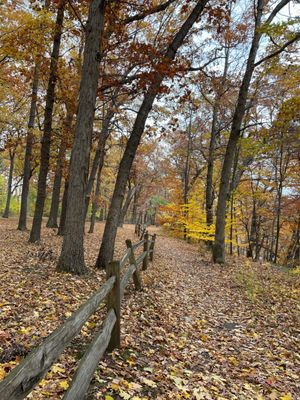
point(143, 233)
point(114, 301)
point(146, 248)
point(152, 247)
point(132, 260)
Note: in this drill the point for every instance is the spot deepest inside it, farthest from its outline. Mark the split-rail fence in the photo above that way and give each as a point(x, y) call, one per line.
point(23, 378)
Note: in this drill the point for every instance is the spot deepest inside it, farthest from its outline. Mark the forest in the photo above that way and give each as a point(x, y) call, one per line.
point(164, 135)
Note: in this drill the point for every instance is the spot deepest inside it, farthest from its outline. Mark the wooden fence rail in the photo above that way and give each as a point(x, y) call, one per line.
point(140, 230)
point(23, 378)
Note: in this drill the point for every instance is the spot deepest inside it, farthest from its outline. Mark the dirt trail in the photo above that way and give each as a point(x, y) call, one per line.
point(192, 333)
point(196, 331)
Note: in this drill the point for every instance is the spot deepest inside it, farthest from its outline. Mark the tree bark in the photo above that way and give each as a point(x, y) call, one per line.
point(253, 232)
point(219, 243)
point(278, 205)
point(9, 182)
point(186, 174)
point(99, 157)
point(111, 226)
point(52, 221)
point(28, 152)
point(126, 205)
point(96, 199)
point(209, 189)
point(35, 233)
point(98, 180)
point(135, 205)
point(72, 253)
point(231, 222)
point(62, 221)
point(293, 254)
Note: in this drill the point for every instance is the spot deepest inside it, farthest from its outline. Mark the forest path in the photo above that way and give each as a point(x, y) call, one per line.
point(194, 333)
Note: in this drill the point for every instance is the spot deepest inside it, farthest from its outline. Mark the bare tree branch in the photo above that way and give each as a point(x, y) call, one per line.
point(276, 10)
point(77, 15)
point(269, 56)
point(140, 16)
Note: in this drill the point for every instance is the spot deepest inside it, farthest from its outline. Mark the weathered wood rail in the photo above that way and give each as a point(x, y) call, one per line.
point(23, 378)
point(140, 230)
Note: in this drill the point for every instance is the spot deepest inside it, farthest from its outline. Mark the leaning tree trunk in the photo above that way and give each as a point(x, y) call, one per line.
point(28, 151)
point(72, 253)
point(108, 241)
point(9, 183)
point(52, 221)
point(219, 244)
point(35, 233)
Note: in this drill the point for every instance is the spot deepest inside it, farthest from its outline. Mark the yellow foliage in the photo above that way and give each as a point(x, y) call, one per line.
point(296, 270)
point(287, 396)
point(189, 220)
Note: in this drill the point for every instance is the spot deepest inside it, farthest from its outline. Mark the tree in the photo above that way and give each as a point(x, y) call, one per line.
point(28, 151)
point(72, 253)
point(110, 231)
point(52, 221)
point(219, 243)
point(35, 233)
point(11, 147)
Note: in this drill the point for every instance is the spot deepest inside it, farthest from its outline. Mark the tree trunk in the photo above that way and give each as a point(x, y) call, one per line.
point(111, 226)
point(278, 214)
point(96, 199)
point(252, 235)
point(293, 254)
point(209, 189)
point(99, 157)
point(186, 174)
point(272, 240)
point(219, 244)
point(9, 182)
point(135, 206)
point(62, 221)
point(52, 221)
point(124, 210)
point(231, 222)
point(101, 217)
point(72, 253)
point(35, 233)
point(237, 241)
point(28, 151)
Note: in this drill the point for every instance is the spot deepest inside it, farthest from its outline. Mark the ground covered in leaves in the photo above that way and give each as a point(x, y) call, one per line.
point(196, 331)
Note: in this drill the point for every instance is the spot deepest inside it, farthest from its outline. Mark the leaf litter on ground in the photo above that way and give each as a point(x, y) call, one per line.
point(196, 330)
